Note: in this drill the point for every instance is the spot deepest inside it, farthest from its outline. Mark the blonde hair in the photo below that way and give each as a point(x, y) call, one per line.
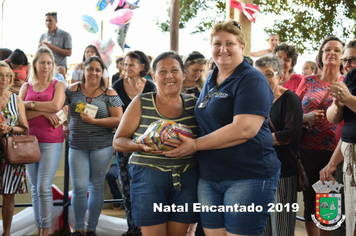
point(4, 64)
point(229, 26)
point(33, 72)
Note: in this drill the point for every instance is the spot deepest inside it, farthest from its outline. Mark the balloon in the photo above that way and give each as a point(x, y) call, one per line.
point(90, 24)
point(105, 49)
point(121, 17)
point(101, 5)
point(127, 5)
point(121, 34)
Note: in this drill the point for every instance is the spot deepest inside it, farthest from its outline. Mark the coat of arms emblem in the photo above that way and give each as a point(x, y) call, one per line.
point(328, 205)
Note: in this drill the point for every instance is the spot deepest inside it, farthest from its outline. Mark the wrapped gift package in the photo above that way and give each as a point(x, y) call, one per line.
point(163, 135)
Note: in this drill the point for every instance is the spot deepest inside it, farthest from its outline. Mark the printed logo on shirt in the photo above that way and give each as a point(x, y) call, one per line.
point(221, 95)
point(328, 205)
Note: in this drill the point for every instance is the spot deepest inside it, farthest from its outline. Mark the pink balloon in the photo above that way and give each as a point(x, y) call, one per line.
point(121, 17)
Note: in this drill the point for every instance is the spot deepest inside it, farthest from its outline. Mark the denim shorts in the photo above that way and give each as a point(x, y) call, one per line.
point(240, 206)
point(155, 201)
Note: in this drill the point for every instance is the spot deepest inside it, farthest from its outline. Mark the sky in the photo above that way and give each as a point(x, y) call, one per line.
point(23, 23)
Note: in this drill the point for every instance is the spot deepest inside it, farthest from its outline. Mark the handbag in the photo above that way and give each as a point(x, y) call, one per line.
point(21, 149)
point(303, 180)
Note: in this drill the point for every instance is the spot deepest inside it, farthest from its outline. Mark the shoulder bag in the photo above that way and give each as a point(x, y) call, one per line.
point(21, 149)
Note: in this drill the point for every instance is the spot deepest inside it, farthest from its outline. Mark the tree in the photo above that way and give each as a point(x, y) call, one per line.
point(305, 25)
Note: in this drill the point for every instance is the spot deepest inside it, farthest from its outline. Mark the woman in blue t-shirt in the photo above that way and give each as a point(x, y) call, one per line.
point(238, 165)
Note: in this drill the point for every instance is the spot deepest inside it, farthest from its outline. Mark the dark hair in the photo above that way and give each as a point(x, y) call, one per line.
point(18, 57)
point(53, 14)
point(95, 50)
point(119, 59)
point(319, 57)
point(290, 51)
point(351, 44)
point(143, 59)
point(88, 61)
point(165, 55)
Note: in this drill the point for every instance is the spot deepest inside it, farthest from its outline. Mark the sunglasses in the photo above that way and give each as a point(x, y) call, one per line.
point(206, 99)
point(235, 23)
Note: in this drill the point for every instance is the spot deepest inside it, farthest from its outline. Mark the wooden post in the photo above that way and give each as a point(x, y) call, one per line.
point(101, 30)
point(174, 27)
point(235, 14)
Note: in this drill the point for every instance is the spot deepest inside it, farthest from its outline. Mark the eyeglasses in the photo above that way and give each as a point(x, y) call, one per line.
point(206, 99)
point(270, 75)
point(351, 60)
point(235, 23)
point(7, 76)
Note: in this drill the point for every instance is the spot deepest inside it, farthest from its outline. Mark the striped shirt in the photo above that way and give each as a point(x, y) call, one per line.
point(149, 114)
point(87, 136)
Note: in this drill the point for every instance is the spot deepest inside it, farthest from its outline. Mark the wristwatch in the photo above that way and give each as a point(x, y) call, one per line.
point(33, 105)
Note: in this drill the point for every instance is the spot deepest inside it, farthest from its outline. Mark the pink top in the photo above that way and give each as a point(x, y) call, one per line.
point(311, 92)
point(293, 82)
point(22, 71)
point(41, 126)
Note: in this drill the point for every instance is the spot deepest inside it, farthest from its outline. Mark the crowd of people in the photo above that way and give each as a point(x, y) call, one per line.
point(249, 121)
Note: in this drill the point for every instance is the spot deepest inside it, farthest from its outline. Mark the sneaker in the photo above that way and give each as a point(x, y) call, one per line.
point(77, 233)
point(131, 234)
point(90, 234)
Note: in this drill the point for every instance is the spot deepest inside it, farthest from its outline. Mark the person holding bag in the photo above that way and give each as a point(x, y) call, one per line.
point(13, 179)
point(43, 97)
point(285, 119)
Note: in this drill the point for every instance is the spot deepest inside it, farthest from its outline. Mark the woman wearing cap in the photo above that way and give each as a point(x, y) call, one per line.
point(238, 165)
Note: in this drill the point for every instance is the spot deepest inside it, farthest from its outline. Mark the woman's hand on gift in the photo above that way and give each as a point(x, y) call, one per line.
point(186, 147)
point(148, 149)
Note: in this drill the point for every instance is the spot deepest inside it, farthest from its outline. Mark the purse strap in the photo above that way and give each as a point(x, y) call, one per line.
point(275, 130)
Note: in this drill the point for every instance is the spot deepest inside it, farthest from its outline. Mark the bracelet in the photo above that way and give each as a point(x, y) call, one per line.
point(195, 146)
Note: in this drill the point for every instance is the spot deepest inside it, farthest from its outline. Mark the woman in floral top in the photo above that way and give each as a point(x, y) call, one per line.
point(12, 177)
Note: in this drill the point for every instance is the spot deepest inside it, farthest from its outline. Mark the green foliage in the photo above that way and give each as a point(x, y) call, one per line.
point(190, 9)
point(302, 23)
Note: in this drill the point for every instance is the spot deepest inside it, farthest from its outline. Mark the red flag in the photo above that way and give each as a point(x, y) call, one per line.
point(250, 10)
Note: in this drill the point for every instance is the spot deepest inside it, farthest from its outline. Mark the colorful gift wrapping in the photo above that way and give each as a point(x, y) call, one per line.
point(163, 135)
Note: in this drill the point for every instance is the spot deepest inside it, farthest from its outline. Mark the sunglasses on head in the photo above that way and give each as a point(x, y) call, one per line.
point(235, 23)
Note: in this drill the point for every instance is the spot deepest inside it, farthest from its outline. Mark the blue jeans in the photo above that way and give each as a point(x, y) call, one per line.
point(87, 170)
point(41, 176)
point(233, 197)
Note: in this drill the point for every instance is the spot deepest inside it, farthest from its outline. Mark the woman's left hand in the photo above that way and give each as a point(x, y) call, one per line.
point(340, 92)
point(186, 147)
point(87, 118)
point(4, 129)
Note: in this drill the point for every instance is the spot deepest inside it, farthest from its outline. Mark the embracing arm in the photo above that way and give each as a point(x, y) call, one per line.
point(130, 121)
